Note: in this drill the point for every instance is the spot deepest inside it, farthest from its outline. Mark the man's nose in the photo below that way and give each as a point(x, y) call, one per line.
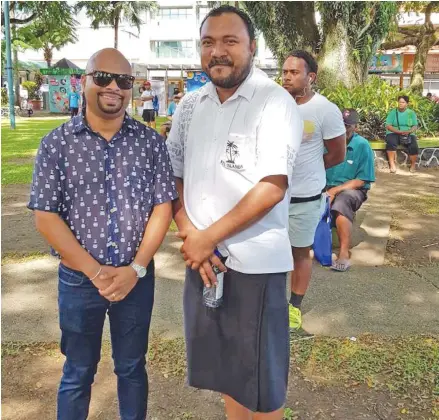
point(219, 50)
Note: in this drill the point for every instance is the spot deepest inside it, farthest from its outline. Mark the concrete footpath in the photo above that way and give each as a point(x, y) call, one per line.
point(381, 300)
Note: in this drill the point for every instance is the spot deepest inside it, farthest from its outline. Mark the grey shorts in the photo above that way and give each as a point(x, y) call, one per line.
point(303, 220)
point(240, 349)
point(348, 202)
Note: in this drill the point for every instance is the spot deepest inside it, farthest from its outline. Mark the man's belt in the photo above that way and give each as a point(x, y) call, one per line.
point(295, 200)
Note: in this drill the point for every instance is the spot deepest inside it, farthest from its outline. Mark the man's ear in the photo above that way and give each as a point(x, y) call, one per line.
point(83, 81)
point(253, 47)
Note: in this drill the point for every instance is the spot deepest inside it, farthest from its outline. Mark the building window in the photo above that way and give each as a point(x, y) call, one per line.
point(172, 49)
point(168, 13)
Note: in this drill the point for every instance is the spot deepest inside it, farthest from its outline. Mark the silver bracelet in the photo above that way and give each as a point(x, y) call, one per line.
point(99, 272)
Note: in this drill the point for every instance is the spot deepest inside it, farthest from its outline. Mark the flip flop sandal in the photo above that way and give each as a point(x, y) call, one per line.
point(393, 171)
point(341, 265)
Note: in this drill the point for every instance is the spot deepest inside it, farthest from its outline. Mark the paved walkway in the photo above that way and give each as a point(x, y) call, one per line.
point(382, 300)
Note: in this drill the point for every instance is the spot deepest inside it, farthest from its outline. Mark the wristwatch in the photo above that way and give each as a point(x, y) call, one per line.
point(139, 269)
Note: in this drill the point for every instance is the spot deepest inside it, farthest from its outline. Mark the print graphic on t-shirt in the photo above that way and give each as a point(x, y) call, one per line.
point(232, 153)
point(309, 128)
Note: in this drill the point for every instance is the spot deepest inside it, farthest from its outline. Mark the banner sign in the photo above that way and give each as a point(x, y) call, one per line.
point(195, 80)
point(386, 63)
point(61, 72)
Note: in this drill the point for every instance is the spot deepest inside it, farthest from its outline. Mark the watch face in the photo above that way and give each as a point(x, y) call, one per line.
point(142, 272)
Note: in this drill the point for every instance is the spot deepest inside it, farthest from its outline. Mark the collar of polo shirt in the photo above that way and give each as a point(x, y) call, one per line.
point(246, 90)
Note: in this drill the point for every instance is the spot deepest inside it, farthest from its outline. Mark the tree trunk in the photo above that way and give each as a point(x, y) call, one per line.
point(116, 31)
point(426, 39)
point(336, 60)
point(48, 55)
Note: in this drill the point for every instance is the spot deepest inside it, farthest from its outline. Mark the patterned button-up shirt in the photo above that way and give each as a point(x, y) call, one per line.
point(104, 191)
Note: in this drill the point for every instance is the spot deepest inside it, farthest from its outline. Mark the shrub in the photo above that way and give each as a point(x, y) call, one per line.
point(374, 100)
point(32, 90)
point(5, 100)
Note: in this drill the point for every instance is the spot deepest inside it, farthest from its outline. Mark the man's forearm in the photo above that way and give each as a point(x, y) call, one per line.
point(61, 238)
point(180, 216)
point(354, 184)
point(251, 208)
point(155, 232)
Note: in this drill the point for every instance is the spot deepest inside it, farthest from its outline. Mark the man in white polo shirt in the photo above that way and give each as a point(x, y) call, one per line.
point(323, 129)
point(232, 145)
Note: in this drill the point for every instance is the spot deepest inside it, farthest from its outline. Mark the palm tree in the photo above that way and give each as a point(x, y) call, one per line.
point(232, 151)
point(113, 13)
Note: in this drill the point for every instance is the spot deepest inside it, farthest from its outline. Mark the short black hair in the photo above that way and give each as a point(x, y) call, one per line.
point(405, 97)
point(429, 94)
point(311, 63)
point(218, 11)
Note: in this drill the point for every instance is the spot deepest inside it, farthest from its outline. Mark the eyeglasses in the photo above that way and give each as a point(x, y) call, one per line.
point(103, 79)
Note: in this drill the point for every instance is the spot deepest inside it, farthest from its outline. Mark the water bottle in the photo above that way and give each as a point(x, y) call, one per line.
point(213, 295)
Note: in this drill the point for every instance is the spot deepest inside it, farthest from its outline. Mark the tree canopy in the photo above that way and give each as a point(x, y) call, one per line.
point(344, 41)
point(113, 13)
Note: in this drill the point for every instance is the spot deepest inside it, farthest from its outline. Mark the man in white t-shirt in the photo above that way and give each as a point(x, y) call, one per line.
point(147, 96)
point(323, 129)
point(233, 164)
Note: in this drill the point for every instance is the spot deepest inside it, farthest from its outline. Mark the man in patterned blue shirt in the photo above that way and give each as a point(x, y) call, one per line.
point(102, 192)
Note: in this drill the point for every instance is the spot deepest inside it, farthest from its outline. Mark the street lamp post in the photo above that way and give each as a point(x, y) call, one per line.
point(9, 65)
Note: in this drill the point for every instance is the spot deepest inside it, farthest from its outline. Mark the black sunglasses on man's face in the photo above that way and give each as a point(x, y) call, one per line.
point(103, 79)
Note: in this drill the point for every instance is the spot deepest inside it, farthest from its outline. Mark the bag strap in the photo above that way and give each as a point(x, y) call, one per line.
point(397, 119)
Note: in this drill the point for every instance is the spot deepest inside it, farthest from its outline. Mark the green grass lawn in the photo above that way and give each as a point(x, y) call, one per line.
point(20, 146)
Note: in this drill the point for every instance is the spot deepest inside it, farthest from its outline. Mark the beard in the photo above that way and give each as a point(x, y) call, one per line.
point(110, 109)
point(235, 78)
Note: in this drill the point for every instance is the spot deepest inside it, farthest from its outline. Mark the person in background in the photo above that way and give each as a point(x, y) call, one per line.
point(165, 128)
point(156, 105)
point(173, 106)
point(347, 185)
point(401, 123)
point(74, 99)
point(233, 167)
point(147, 97)
point(105, 216)
point(323, 129)
point(429, 96)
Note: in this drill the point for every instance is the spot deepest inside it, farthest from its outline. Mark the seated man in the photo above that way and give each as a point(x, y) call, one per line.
point(173, 106)
point(348, 184)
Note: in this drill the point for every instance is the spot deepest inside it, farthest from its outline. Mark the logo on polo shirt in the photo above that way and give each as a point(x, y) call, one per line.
point(232, 152)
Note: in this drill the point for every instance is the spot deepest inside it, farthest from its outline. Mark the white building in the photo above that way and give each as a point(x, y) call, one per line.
point(168, 38)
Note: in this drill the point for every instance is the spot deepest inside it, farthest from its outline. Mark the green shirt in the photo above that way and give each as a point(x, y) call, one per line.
point(407, 120)
point(358, 164)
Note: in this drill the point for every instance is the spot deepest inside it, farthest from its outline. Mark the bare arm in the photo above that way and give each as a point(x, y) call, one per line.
point(155, 232)
point(147, 98)
point(393, 129)
point(353, 184)
point(180, 216)
point(252, 207)
point(199, 245)
point(60, 237)
point(336, 151)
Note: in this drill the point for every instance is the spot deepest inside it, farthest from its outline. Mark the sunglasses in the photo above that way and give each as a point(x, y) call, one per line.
point(103, 79)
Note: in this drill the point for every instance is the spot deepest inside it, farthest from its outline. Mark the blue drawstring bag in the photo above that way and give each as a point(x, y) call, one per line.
point(323, 237)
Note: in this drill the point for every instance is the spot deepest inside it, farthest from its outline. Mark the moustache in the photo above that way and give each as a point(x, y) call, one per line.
point(223, 62)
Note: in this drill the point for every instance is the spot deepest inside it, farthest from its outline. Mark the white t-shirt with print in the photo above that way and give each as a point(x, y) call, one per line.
point(322, 120)
point(148, 104)
point(229, 148)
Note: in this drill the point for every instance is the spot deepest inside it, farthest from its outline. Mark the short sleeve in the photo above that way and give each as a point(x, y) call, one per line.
point(46, 185)
point(175, 143)
point(164, 184)
point(390, 118)
point(332, 123)
point(366, 169)
point(415, 119)
point(278, 137)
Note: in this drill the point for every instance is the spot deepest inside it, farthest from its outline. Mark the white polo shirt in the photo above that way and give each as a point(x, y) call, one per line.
point(230, 147)
point(148, 105)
